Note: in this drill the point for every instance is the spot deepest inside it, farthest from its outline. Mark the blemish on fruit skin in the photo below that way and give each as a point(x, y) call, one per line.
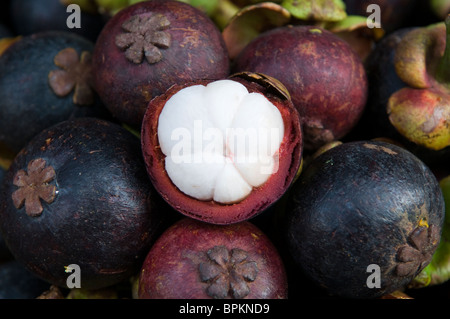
point(423, 223)
point(255, 236)
point(380, 148)
point(315, 31)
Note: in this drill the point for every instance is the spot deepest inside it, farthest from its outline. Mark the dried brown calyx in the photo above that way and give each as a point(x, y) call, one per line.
point(144, 36)
point(227, 272)
point(74, 73)
point(34, 186)
point(416, 255)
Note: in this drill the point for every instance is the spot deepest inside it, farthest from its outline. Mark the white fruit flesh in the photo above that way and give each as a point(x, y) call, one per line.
point(220, 141)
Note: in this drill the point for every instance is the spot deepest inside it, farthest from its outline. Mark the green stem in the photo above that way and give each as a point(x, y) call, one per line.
point(443, 71)
point(225, 10)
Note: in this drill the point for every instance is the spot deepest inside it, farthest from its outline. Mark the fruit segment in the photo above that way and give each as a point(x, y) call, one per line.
point(219, 140)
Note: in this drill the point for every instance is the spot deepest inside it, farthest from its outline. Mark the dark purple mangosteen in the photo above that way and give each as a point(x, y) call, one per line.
point(78, 193)
point(364, 219)
point(45, 78)
point(17, 282)
point(33, 16)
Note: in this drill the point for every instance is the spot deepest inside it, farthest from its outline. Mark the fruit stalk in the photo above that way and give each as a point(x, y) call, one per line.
point(443, 71)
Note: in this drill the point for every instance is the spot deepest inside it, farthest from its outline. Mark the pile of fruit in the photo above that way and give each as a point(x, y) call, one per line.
point(224, 149)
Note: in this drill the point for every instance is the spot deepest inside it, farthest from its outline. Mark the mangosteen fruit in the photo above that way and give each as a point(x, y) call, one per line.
point(394, 14)
point(409, 90)
point(17, 282)
point(147, 47)
point(324, 76)
point(383, 82)
point(78, 194)
point(4, 164)
point(222, 151)
point(33, 16)
point(197, 260)
point(45, 78)
point(440, 8)
point(364, 219)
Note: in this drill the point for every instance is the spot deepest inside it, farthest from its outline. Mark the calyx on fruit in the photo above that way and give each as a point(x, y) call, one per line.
point(438, 270)
point(144, 36)
point(33, 186)
point(78, 193)
point(362, 203)
point(196, 260)
point(212, 144)
point(227, 271)
point(421, 110)
point(219, 140)
point(149, 46)
point(74, 73)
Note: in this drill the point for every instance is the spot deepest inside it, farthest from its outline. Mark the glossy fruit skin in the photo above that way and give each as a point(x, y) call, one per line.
point(171, 268)
point(196, 51)
point(357, 205)
point(24, 75)
point(324, 76)
point(104, 215)
point(260, 199)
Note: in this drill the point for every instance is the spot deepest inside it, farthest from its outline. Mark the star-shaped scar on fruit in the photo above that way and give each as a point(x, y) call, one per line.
point(416, 255)
point(34, 186)
point(74, 74)
point(144, 37)
point(227, 272)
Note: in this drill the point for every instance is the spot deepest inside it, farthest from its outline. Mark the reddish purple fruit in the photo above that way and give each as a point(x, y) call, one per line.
point(147, 47)
point(222, 151)
point(195, 260)
point(324, 76)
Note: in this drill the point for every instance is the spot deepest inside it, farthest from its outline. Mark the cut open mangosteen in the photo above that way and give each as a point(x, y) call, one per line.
point(222, 151)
